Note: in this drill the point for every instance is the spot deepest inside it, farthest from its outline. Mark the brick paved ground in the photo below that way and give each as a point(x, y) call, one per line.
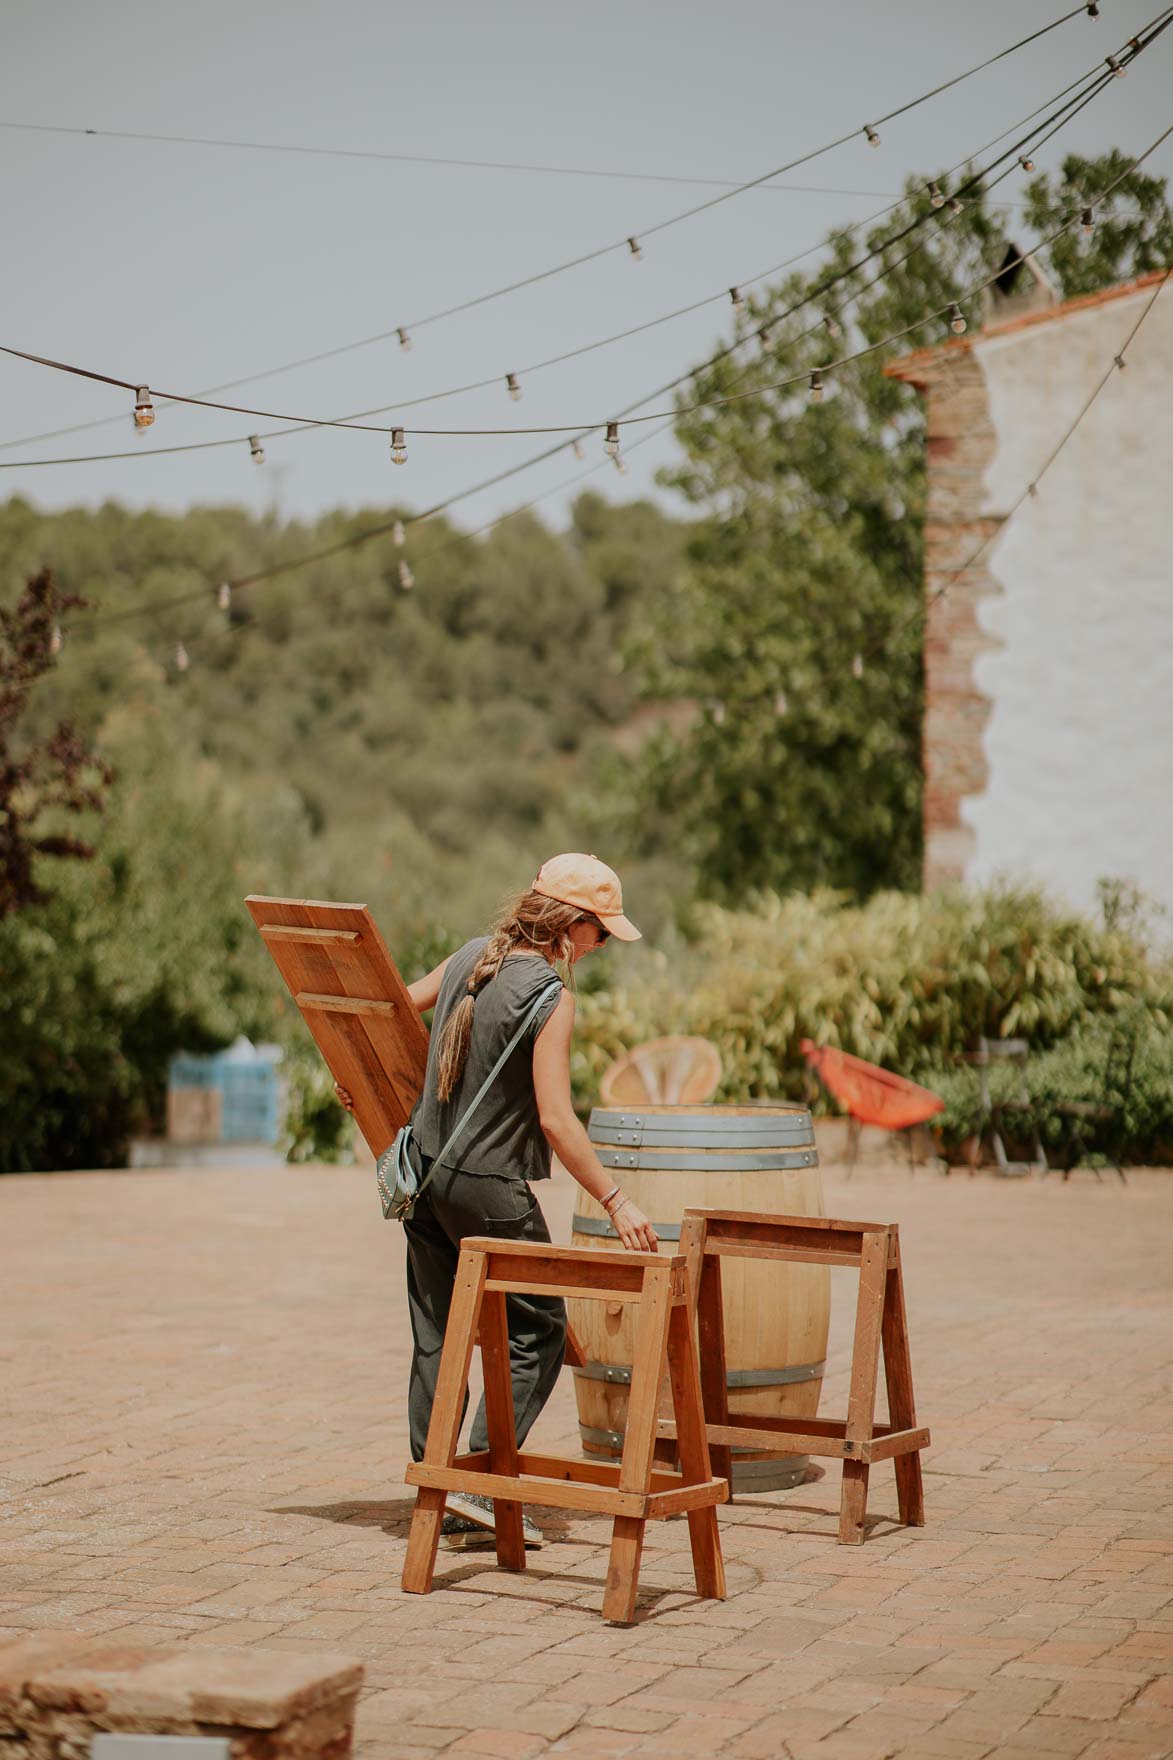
point(208, 1376)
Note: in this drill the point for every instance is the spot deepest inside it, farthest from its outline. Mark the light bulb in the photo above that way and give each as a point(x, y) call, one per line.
point(737, 298)
point(1032, 490)
point(257, 450)
point(1119, 360)
point(956, 207)
point(404, 340)
point(1025, 160)
point(857, 666)
point(56, 640)
point(398, 447)
point(936, 195)
point(512, 385)
point(224, 596)
point(1087, 220)
point(816, 386)
point(831, 326)
point(873, 137)
point(957, 320)
point(579, 449)
point(634, 247)
point(1117, 67)
point(144, 410)
point(182, 661)
point(620, 464)
point(611, 443)
point(765, 338)
point(398, 534)
point(406, 578)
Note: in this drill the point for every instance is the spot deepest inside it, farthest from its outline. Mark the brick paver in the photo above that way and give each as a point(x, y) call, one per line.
point(207, 1376)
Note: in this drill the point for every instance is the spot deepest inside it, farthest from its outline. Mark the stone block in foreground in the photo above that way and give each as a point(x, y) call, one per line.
point(60, 1689)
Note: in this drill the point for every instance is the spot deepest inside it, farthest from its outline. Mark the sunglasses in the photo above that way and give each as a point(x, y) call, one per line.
point(601, 935)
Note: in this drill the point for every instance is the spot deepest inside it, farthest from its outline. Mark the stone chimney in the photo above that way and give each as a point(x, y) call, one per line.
point(1020, 287)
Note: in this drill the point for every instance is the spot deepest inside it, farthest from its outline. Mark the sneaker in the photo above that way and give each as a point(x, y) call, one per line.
point(468, 1523)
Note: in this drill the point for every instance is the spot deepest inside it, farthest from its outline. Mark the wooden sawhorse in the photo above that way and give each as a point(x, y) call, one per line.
point(873, 1248)
point(634, 1492)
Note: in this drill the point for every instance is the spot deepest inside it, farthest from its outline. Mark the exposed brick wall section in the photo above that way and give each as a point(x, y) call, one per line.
point(960, 445)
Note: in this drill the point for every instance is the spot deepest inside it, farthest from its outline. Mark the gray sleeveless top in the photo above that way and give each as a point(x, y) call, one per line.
point(504, 1134)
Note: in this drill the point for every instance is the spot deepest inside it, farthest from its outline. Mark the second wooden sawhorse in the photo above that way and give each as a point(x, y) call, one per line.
point(872, 1248)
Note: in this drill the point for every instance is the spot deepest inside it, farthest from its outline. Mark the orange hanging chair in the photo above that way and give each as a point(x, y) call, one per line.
point(870, 1094)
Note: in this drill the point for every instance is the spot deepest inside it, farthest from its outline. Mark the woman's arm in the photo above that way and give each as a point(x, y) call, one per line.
point(425, 992)
point(568, 1139)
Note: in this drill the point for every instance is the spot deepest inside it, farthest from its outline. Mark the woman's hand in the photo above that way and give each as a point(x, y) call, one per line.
point(633, 1228)
point(344, 1097)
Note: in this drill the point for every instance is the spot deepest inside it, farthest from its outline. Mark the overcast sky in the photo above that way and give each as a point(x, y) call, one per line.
point(184, 266)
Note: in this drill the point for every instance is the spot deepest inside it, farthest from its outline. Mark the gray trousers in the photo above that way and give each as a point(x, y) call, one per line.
point(452, 1206)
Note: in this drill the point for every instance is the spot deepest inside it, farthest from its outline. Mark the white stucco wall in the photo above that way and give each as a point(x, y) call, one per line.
point(1080, 737)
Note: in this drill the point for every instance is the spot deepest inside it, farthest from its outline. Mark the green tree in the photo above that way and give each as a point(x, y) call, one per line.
point(801, 764)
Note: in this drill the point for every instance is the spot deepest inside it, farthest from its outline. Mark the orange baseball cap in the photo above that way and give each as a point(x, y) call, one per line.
point(592, 886)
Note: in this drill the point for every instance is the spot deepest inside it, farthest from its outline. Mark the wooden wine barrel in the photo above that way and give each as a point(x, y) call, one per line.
point(668, 1159)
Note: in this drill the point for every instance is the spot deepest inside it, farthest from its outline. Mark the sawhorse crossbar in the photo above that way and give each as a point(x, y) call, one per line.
point(872, 1248)
point(636, 1491)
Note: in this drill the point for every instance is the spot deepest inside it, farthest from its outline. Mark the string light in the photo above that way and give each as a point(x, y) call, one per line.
point(737, 299)
point(871, 132)
point(398, 534)
point(611, 443)
point(182, 658)
point(857, 666)
point(1092, 9)
point(579, 449)
point(404, 339)
point(1117, 67)
point(765, 338)
point(1087, 221)
point(56, 640)
point(398, 447)
point(633, 246)
point(406, 578)
point(257, 450)
point(144, 410)
point(316, 422)
point(224, 596)
point(620, 464)
point(956, 206)
point(831, 326)
point(1025, 160)
point(957, 320)
point(936, 195)
point(513, 386)
point(816, 386)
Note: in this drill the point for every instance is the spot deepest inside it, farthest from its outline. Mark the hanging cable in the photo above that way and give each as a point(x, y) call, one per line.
point(612, 436)
point(356, 426)
point(403, 331)
point(310, 425)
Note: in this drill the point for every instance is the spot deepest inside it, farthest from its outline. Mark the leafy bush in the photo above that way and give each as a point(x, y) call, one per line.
point(904, 981)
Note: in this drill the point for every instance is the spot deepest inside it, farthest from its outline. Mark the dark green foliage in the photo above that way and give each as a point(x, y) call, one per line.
point(336, 738)
point(1091, 1068)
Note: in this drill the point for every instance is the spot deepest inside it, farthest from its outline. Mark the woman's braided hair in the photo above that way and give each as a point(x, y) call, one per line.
point(529, 922)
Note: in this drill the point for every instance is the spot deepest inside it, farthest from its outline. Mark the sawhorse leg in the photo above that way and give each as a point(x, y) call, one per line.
point(910, 1493)
point(423, 1538)
point(861, 1402)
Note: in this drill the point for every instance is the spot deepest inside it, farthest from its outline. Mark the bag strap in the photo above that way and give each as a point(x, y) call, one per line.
point(528, 1019)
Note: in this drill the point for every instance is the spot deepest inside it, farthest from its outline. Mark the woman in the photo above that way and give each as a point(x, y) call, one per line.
point(481, 994)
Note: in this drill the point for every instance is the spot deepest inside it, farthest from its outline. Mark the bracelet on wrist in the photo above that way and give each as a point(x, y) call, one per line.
point(623, 1200)
point(611, 1196)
